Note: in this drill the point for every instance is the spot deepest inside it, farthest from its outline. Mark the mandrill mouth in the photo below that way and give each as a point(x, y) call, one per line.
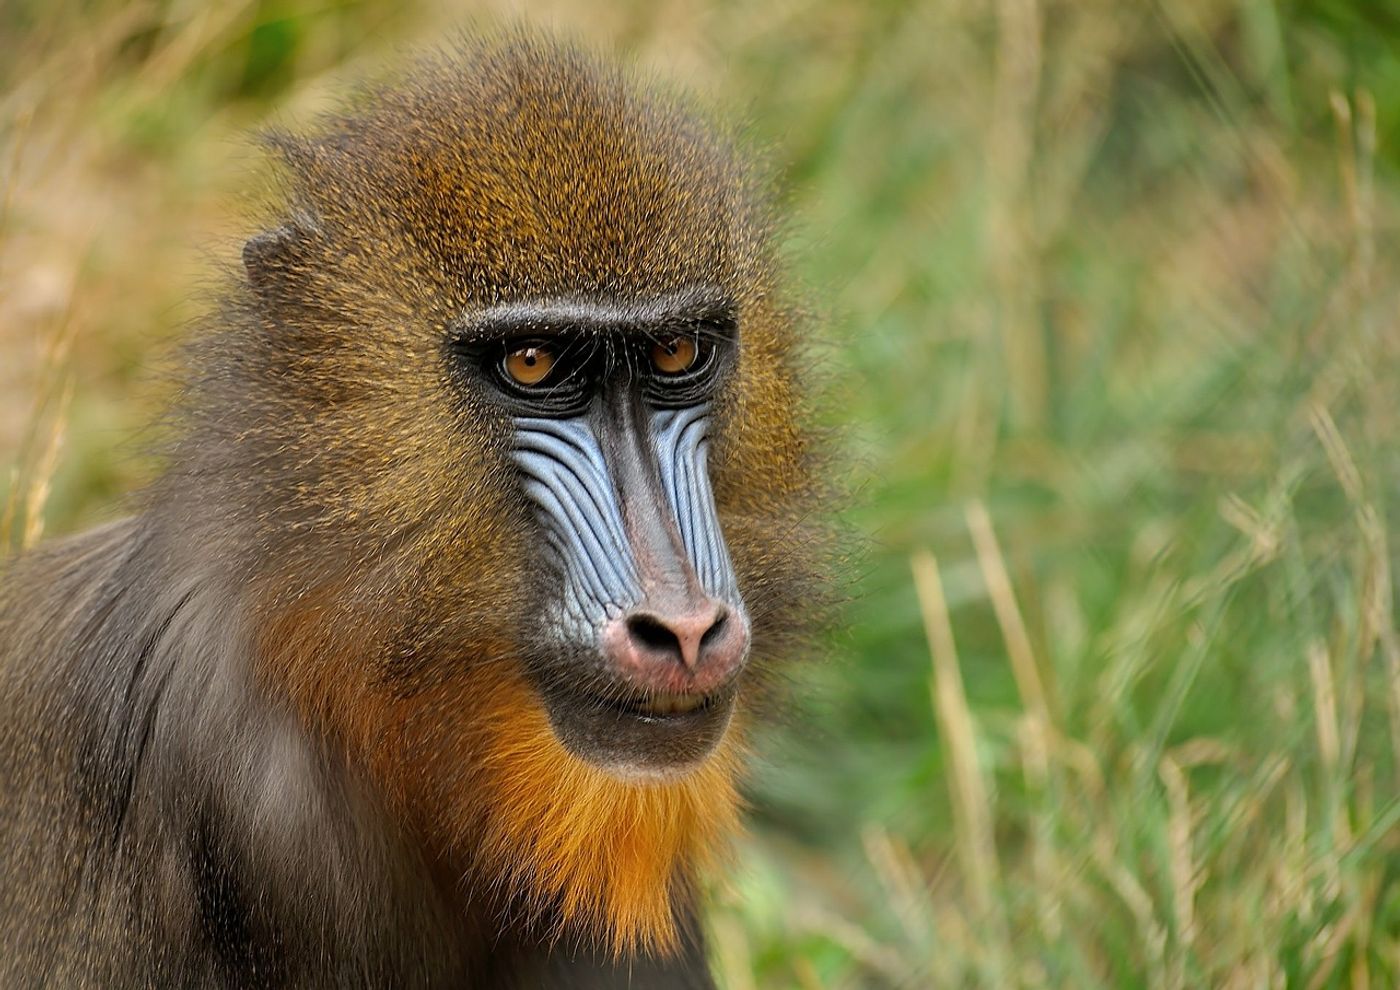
point(661, 705)
point(640, 733)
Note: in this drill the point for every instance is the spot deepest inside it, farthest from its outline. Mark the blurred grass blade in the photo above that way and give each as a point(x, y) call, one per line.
point(971, 805)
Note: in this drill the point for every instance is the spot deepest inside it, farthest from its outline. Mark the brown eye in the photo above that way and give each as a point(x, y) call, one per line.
point(529, 365)
point(674, 355)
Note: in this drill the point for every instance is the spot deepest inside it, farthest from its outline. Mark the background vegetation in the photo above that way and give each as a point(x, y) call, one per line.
point(1110, 292)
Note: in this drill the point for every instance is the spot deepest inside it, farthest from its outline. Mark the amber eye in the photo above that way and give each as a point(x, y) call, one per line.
point(529, 365)
point(674, 355)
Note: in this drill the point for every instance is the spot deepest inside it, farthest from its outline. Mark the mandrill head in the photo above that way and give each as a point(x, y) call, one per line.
point(506, 416)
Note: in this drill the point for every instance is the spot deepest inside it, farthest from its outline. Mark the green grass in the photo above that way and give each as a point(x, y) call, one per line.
point(1109, 300)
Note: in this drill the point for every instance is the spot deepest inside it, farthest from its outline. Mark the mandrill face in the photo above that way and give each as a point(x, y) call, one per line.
point(513, 401)
point(644, 633)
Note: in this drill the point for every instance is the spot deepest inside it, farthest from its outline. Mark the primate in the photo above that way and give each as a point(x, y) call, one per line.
point(429, 659)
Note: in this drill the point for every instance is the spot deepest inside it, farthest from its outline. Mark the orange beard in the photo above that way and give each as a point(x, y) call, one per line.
point(607, 854)
point(473, 763)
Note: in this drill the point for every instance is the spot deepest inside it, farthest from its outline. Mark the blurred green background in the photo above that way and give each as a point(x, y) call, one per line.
point(1108, 304)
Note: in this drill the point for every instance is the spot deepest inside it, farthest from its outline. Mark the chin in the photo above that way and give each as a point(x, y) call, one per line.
point(598, 813)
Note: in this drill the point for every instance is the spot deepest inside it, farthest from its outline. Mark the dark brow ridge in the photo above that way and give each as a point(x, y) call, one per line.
point(702, 310)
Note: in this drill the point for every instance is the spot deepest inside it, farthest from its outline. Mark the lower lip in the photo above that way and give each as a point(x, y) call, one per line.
point(630, 740)
point(656, 716)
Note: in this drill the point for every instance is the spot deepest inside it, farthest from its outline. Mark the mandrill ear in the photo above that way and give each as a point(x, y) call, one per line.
point(277, 259)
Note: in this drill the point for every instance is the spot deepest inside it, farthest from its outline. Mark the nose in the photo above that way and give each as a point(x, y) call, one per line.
point(677, 637)
point(694, 646)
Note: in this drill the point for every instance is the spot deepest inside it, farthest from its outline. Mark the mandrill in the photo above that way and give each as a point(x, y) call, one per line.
point(429, 659)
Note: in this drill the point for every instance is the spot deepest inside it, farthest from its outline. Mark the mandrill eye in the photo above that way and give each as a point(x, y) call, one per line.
point(529, 365)
point(685, 368)
point(674, 355)
point(537, 377)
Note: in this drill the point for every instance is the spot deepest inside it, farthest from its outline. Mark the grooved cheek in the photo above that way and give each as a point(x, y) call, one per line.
point(682, 444)
point(567, 478)
point(568, 465)
point(563, 507)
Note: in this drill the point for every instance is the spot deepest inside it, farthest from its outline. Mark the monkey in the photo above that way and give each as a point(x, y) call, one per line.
point(490, 516)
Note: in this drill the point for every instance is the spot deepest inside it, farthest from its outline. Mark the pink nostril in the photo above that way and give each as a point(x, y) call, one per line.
point(680, 637)
point(698, 647)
